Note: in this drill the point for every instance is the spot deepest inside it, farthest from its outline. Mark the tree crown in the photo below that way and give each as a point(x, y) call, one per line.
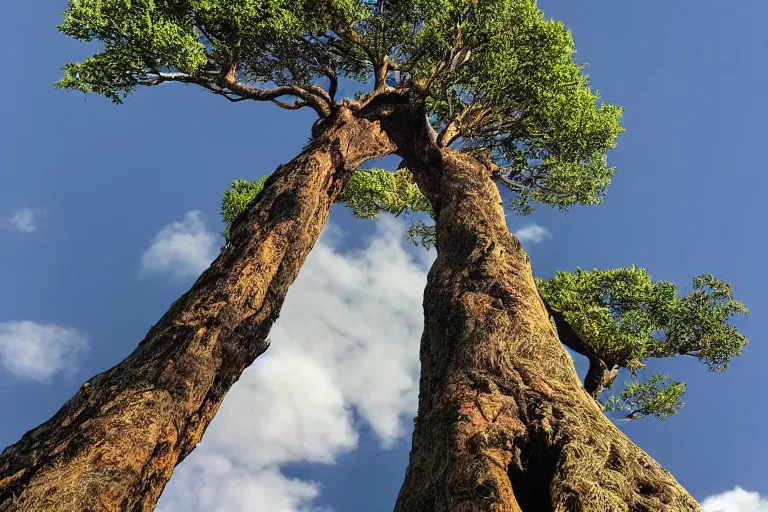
point(494, 75)
point(626, 318)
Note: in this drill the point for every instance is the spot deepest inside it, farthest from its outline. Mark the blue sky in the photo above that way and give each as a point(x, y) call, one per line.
point(108, 214)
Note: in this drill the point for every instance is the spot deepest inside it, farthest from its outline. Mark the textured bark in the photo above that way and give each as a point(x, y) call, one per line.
point(113, 446)
point(504, 423)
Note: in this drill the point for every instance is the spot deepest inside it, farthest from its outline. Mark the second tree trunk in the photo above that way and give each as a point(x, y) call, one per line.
point(504, 424)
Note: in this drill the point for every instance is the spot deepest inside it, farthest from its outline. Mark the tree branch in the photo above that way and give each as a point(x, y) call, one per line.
point(567, 335)
point(312, 96)
point(464, 122)
point(333, 88)
point(598, 373)
point(323, 69)
point(508, 182)
point(288, 106)
point(202, 30)
point(223, 82)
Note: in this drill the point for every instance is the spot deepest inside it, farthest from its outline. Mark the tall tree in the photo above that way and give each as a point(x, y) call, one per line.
point(504, 424)
point(481, 90)
point(113, 446)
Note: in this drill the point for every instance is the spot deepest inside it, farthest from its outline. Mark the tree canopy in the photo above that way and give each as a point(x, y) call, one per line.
point(626, 318)
point(495, 76)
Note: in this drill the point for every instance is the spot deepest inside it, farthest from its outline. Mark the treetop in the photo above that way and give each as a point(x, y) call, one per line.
point(494, 75)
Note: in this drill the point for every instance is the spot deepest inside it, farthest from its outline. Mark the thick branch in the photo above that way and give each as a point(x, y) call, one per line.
point(463, 124)
point(333, 88)
point(514, 185)
point(225, 85)
point(289, 106)
point(314, 96)
point(380, 70)
point(598, 373)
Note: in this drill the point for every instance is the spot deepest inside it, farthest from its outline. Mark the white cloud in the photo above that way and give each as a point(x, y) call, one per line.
point(532, 234)
point(212, 483)
point(736, 500)
point(39, 351)
point(24, 220)
point(184, 248)
point(347, 342)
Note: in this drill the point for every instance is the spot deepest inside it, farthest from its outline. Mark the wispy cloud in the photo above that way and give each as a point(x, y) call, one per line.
point(183, 249)
point(736, 500)
point(24, 220)
point(347, 341)
point(37, 351)
point(532, 234)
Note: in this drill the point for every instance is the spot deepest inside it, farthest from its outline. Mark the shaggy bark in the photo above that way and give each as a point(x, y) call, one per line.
point(113, 446)
point(504, 423)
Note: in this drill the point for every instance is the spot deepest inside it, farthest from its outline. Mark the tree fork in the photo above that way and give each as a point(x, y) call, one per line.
point(114, 444)
point(504, 423)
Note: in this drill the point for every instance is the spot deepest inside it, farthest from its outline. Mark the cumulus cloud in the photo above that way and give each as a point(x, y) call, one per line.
point(24, 220)
point(39, 351)
point(532, 234)
point(213, 483)
point(736, 500)
point(183, 249)
point(345, 353)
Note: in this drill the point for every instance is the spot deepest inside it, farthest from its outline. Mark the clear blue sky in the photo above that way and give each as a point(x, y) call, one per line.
point(85, 187)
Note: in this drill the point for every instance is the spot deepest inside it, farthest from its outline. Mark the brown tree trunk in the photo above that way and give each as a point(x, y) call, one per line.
point(113, 446)
point(504, 423)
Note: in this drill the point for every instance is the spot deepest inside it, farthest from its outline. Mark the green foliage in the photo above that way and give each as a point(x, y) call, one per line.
point(369, 192)
point(626, 318)
point(538, 115)
point(366, 194)
point(497, 75)
point(659, 396)
point(237, 199)
point(137, 36)
point(699, 327)
point(419, 233)
point(264, 40)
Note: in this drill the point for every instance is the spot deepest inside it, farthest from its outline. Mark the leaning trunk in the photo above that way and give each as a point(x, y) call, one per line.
point(113, 446)
point(504, 423)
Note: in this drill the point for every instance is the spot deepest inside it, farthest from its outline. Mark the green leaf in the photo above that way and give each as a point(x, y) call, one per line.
point(658, 396)
point(366, 194)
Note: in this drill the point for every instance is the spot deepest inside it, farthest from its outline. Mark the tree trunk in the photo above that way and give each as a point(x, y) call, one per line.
point(113, 446)
point(504, 423)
